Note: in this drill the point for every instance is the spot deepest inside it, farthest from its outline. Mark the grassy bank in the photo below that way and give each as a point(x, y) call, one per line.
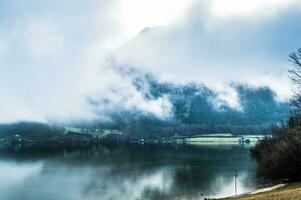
point(289, 192)
point(224, 140)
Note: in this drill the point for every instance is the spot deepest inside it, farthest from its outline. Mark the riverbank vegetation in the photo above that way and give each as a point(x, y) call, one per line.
point(279, 157)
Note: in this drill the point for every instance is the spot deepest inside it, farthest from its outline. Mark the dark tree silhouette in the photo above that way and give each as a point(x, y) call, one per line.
point(278, 157)
point(295, 76)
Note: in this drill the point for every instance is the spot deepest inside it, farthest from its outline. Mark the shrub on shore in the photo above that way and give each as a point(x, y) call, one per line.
point(279, 157)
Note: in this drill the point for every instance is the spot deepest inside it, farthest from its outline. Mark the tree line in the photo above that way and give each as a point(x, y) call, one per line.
point(278, 157)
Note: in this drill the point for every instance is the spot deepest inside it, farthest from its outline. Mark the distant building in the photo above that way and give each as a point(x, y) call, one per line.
point(177, 137)
point(107, 131)
point(73, 129)
point(217, 135)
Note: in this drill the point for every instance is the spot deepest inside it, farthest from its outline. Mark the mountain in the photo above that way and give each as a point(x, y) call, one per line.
point(194, 109)
point(197, 109)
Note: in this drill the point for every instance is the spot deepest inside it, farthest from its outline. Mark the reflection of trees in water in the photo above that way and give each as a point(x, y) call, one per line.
point(148, 171)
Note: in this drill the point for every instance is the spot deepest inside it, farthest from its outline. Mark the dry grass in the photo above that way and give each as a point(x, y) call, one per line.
point(289, 192)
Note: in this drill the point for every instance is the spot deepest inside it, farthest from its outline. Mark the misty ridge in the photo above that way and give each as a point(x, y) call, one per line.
point(199, 73)
point(59, 65)
point(192, 109)
point(197, 109)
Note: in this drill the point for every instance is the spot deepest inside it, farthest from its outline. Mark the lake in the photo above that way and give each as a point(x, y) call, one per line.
point(126, 172)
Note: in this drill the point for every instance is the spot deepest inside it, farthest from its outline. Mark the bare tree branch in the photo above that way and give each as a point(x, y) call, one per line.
point(295, 76)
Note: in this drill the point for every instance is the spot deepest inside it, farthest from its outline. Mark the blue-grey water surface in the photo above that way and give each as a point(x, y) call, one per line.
point(126, 172)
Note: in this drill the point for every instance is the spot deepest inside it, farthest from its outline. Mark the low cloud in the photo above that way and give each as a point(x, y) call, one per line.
point(53, 60)
point(217, 51)
point(56, 57)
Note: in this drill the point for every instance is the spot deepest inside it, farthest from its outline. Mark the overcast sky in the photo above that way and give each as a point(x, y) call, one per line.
point(55, 54)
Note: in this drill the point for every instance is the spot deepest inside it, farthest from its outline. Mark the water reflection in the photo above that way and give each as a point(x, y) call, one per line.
point(126, 172)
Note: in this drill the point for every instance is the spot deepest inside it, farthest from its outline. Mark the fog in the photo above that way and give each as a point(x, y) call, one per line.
point(56, 57)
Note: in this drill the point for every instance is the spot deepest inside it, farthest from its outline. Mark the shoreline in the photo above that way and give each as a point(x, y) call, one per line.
point(267, 189)
point(257, 191)
point(279, 191)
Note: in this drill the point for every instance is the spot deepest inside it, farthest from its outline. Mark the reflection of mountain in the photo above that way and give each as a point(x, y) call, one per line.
point(135, 172)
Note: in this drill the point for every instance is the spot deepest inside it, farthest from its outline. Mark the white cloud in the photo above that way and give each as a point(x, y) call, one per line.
point(53, 54)
point(228, 8)
point(58, 59)
point(227, 96)
point(3, 49)
point(219, 51)
point(43, 37)
point(135, 15)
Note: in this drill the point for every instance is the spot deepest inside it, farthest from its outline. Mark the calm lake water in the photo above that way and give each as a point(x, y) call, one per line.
point(126, 173)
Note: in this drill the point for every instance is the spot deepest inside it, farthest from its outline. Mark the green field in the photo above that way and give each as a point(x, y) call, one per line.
point(224, 140)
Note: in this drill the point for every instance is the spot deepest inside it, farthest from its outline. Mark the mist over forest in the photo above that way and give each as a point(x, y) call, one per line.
point(197, 109)
point(194, 109)
point(188, 75)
